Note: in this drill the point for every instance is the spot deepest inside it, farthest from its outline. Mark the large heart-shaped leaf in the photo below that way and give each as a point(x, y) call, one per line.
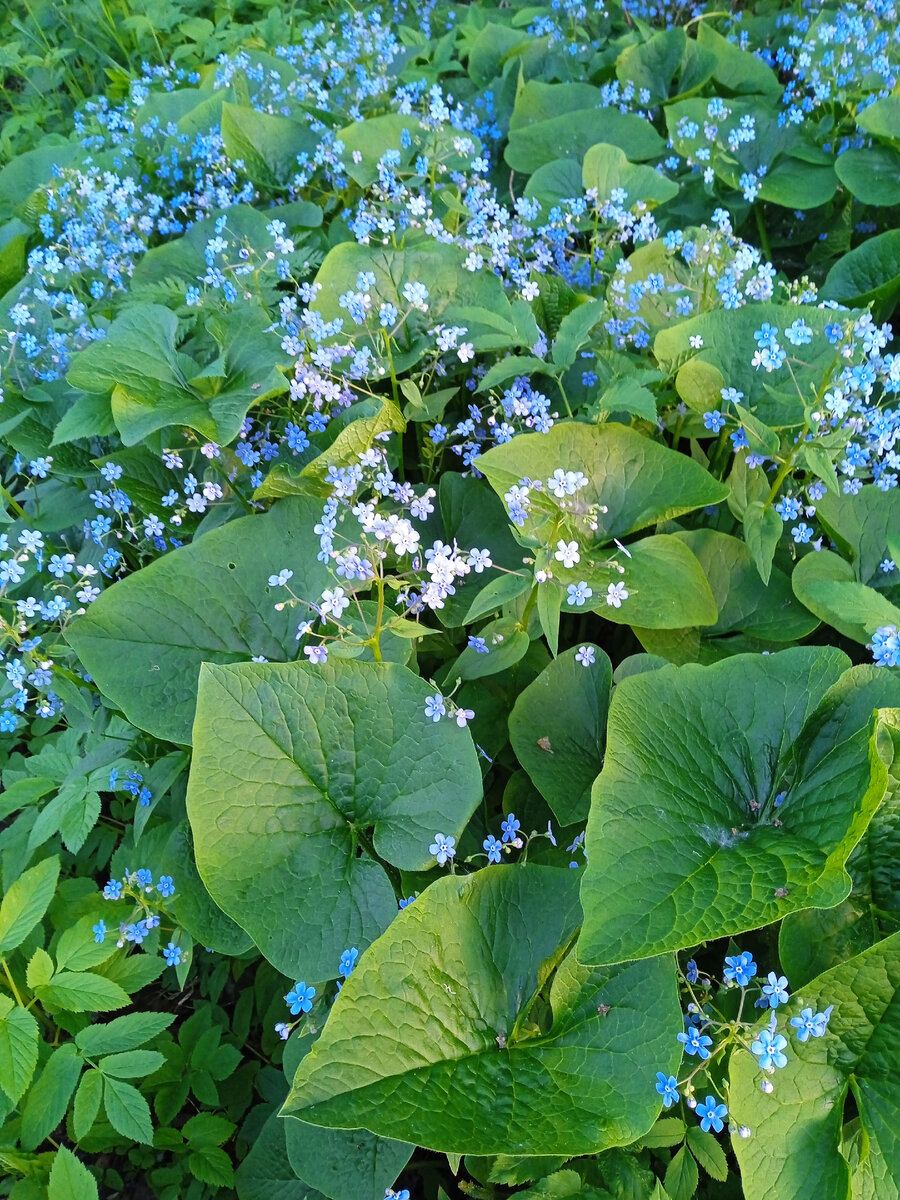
point(827, 585)
point(799, 1136)
point(304, 781)
point(460, 1005)
point(144, 639)
point(688, 800)
point(558, 727)
point(636, 480)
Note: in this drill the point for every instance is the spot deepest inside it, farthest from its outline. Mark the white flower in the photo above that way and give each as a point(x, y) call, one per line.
point(567, 553)
point(615, 594)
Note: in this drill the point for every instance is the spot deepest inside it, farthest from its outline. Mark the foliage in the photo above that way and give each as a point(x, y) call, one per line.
point(449, 591)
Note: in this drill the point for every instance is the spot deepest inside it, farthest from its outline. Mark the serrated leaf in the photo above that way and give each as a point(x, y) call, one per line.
point(508, 927)
point(87, 1103)
point(682, 1176)
point(78, 949)
point(25, 903)
point(323, 749)
point(83, 991)
point(48, 1099)
point(40, 969)
point(211, 1165)
point(128, 1111)
point(18, 1048)
point(694, 817)
point(708, 1152)
point(70, 1179)
point(131, 1064)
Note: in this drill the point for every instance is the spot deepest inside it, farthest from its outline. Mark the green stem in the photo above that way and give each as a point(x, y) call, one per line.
point(12, 984)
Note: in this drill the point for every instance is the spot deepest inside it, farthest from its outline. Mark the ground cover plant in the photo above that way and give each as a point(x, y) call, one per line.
point(450, 601)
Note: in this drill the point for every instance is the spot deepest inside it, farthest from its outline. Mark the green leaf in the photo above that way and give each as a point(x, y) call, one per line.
point(211, 1165)
point(326, 753)
point(872, 174)
point(266, 1173)
point(882, 119)
point(124, 1033)
point(667, 587)
point(762, 533)
point(345, 1164)
point(18, 1048)
point(77, 950)
point(48, 1099)
point(127, 1110)
point(694, 818)
point(131, 1064)
point(798, 1130)
point(207, 1129)
point(79, 819)
point(25, 903)
point(70, 1179)
point(862, 527)
point(771, 613)
point(796, 183)
point(668, 1131)
point(267, 145)
point(816, 939)
point(869, 273)
point(825, 583)
point(682, 1175)
point(145, 638)
point(492, 1050)
point(606, 167)
point(708, 1153)
point(87, 1103)
point(557, 728)
point(572, 135)
point(83, 991)
point(613, 457)
point(90, 416)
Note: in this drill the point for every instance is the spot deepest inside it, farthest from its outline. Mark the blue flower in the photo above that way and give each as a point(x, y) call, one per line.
point(667, 1086)
point(586, 656)
point(711, 1114)
point(443, 848)
point(165, 887)
point(435, 708)
point(714, 421)
point(300, 998)
point(348, 961)
point(112, 890)
point(493, 848)
point(172, 955)
point(740, 967)
point(694, 1042)
point(811, 1023)
point(775, 990)
point(768, 1047)
point(691, 973)
point(510, 827)
point(144, 877)
point(100, 934)
point(578, 593)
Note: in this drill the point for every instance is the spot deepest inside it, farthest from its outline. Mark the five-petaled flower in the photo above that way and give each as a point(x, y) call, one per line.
point(667, 1086)
point(768, 1047)
point(510, 827)
point(740, 967)
point(811, 1023)
point(443, 848)
point(775, 990)
point(695, 1042)
point(711, 1114)
point(300, 998)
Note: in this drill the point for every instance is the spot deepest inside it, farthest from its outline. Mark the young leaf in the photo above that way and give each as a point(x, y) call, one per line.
point(25, 903)
point(48, 1099)
point(83, 991)
point(708, 1152)
point(128, 1111)
point(682, 1175)
point(70, 1179)
point(131, 1064)
point(18, 1048)
point(87, 1103)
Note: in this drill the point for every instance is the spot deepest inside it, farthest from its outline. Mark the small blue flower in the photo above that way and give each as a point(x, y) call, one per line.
point(348, 961)
point(144, 877)
point(586, 656)
point(667, 1086)
point(443, 848)
point(740, 967)
point(172, 955)
point(714, 421)
point(776, 989)
point(493, 848)
point(165, 887)
point(300, 998)
point(811, 1023)
point(112, 890)
point(100, 934)
point(695, 1042)
point(283, 1030)
point(768, 1047)
point(691, 973)
point(711, 1114)
point(435, 707)
point(578, 593)
point(510, 827)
